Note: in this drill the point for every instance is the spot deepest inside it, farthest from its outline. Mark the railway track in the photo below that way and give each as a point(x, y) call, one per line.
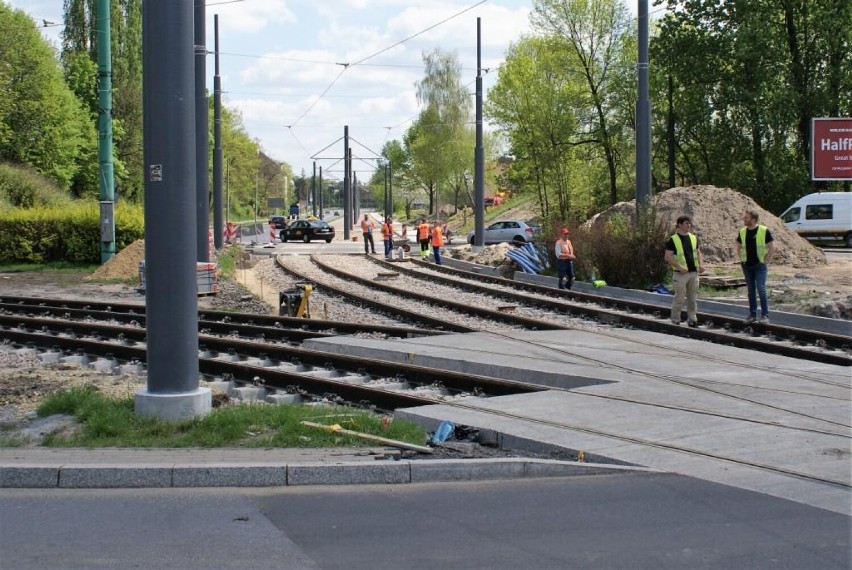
point(797, 343)
point(256, 356)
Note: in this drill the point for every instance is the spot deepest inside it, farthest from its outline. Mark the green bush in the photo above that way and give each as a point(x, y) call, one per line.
point(623, 254)
point(22, 187)
point(70, 233)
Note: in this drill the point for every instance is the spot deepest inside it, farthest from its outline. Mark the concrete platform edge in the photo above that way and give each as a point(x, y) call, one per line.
point(101, 476)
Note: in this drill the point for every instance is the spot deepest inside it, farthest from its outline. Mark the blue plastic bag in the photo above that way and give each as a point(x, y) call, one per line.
point(444, 432)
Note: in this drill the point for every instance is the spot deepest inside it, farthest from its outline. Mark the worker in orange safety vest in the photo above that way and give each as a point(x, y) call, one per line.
point(565, 257)
point(424, 233)
point(367, 226)
point(437, 242)
point(387, 236)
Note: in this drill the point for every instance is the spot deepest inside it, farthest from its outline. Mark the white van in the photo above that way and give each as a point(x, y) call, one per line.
point(822, 217)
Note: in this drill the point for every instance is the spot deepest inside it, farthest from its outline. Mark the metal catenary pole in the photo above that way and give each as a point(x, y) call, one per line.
point(314, 190)
point(478, 153)
point(202, 185)
point(347, 213)
point(643, 114)
point(106, 178)
point(321, 204)
point(218, 222)
point(170, 238)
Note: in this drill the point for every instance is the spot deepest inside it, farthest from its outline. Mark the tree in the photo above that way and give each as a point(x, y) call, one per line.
point(594, 31)
point(441, 124)
point(747, 78)
point(42, 124)
point(79, 40)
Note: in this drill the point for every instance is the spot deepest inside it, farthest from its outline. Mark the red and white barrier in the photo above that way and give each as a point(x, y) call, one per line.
point(272, 235)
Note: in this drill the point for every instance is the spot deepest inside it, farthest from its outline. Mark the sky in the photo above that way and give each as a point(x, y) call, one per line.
point(280, 66)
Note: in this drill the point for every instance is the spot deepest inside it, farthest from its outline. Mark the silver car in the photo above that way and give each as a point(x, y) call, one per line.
point(507, 231)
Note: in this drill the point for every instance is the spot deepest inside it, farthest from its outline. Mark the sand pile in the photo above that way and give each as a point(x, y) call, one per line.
point(123, 265)
point(490, 254)
point(716, 217)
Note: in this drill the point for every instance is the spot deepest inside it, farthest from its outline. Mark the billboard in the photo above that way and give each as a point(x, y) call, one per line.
point(831, 149)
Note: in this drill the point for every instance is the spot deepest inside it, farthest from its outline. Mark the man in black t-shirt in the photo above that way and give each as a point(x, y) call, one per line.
point(684, 257)
point(755, 246)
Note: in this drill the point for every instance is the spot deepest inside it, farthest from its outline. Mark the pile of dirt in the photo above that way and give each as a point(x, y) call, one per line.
point(124, 264)
point(490, 254)
point(716, 218)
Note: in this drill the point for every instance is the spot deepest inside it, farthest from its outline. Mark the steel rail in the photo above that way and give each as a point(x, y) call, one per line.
point(384, 308)
point(524, 322)
point(57, 333)
point(640, 322)
point(128, 313)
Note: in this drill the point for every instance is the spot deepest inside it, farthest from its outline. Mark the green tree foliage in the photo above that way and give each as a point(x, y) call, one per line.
point(42, 124)
point(594, 32)
point(242, 170)
point(438, 136)
point(747, 78)
point(79, 42)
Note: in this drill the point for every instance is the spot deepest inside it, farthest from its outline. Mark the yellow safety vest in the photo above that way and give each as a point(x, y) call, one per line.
point(680, 256)
point(760, 242)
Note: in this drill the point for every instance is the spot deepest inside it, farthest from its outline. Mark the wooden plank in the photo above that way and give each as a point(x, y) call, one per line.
point(369, 437)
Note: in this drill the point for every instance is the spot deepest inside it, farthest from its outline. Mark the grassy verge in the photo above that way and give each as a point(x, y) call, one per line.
point(227, 261)
point(111, 422)
point(54, 266)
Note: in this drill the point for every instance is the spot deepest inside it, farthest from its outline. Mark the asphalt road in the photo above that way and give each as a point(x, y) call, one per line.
point(614, 521)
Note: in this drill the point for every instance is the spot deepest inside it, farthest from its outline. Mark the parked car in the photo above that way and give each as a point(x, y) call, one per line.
point(822, 217)
point(307, 230)
point(277, 222)
point(507, 231)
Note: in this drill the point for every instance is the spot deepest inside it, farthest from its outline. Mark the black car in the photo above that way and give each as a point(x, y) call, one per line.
point(306, 230)
point(278, 222)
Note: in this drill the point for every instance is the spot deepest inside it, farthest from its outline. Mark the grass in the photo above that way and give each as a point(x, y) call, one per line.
point(54, 266)
point(227, 261)
point(111, 422)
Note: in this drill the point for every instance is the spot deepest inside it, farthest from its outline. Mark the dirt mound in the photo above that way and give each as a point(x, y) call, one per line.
point(716, 217)
point(490, 254)
point(123, 265)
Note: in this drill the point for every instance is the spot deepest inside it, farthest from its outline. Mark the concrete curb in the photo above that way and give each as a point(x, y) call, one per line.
point(161, 475)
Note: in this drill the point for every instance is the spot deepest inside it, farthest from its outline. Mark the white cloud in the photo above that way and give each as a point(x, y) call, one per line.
point(251, 17)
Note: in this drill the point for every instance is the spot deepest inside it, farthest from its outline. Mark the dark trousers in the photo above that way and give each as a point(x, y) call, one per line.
point(424, 248)
point(388, 247)
point(565, 269)
point(368, 237)
point(755, 277)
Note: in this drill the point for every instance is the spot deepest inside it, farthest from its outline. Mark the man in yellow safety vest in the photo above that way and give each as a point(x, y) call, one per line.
point(755, 246)
point(684, 257)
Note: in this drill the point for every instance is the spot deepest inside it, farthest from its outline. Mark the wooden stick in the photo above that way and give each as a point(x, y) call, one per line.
point(369, 437)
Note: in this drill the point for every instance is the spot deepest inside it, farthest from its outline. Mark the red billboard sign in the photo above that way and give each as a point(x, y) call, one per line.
point(831, 149)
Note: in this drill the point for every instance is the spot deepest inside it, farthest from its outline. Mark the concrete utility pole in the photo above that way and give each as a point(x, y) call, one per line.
point(106, 180)
point(218, 222)
point(202, 186)
point(643, 115)
point(478, 152)
point(347, 207)
point(170, 237)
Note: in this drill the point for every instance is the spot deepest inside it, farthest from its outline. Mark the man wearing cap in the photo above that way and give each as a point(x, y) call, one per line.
point(565, 257)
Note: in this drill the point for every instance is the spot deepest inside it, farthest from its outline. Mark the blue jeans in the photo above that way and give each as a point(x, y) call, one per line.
point(436, 251)
point(755, 276)
point(388, 247)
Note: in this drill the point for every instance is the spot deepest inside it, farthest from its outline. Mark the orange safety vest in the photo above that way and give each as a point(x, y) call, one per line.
point(437, 236)
point(423, 232)
point(386, 230)
point(567, 248)
point(366, 226)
